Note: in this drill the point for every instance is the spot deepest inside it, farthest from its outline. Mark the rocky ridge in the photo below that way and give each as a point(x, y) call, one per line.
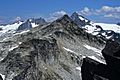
point(49, 52)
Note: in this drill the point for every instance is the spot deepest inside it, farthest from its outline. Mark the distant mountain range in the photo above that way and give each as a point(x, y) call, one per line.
point(103, 30)
point(9, 30)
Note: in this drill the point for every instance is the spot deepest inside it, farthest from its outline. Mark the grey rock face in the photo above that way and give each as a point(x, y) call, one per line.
point(39, 60)
point(40, 21)
point(49, 52)
point(25, 26)
point(28, 24)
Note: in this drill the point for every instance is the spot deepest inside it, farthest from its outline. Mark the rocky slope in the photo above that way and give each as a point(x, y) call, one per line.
point(49, 52)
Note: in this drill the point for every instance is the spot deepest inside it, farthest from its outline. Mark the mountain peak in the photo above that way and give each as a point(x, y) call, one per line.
point(76, 14)
point(64, 19)
point(79, 19)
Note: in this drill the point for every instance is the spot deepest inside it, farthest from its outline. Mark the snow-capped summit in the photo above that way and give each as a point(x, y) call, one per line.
point(31, 23)
point(25, 25)
point(104, 30)
point(38, 20)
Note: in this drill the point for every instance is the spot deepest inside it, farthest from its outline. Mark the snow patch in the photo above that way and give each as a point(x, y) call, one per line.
point(12, 48)
point(90, 29)
point(34, 25)
point(78, 68)
point(104, 34)
point(3, 76)
point(22, 32)
point(93, 48)
point(70, 50)
point(20, 42)
point(81, 18)
point(94, 58)
point(108, 37)
point(1, 59)
point(95, 33)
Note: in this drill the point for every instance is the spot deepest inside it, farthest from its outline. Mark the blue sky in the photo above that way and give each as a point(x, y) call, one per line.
point(96, 10)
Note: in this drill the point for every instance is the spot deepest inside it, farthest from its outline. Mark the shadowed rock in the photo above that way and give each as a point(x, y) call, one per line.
point(111, 53)
point(93, 70)
point(1, 77)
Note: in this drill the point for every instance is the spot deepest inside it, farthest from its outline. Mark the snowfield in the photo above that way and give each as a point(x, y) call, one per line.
point(89, 28)
point(113, 27)
point(10, 27)
point(92, 28)
point(34, 25)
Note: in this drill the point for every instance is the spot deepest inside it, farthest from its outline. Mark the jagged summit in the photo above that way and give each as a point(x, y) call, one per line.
point(75, 15)
point(40, 20)
point(31, 23)
point(25, 26)
point(64, 19)
point(79, 19)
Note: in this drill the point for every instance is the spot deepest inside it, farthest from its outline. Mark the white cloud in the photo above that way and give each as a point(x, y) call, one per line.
point(112, 16)
point(110, 9)
point(16, 19)
point(55, 15)
point(86, 11)
point(108, 15)
point(58, 14)
point(105, 11)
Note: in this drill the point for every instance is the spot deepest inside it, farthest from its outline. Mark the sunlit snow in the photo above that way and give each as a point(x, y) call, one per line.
point(10, 27)
point(3, 76)
point(34, 25)
point(69, 50)
point(94, 58)
point(93, 49)
point(113, 27)
point(12, 48)
point(25, 31)
point(78, 68)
